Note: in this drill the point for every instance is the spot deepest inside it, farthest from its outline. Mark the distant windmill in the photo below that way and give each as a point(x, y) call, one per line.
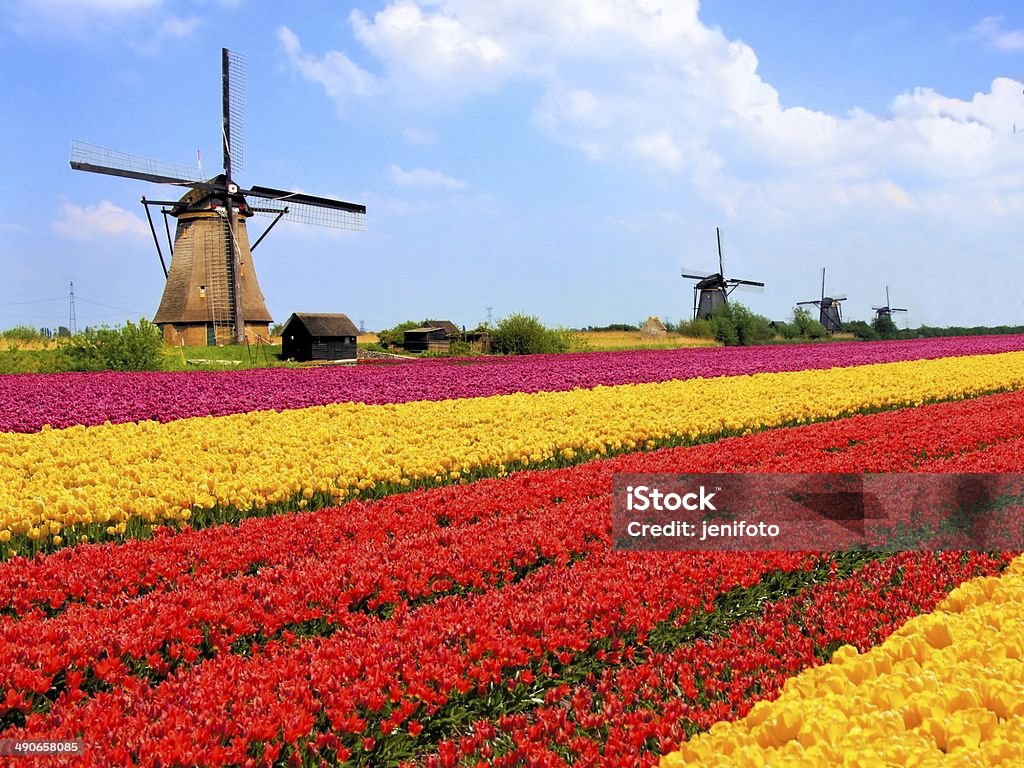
point(830, 310)
point(711, 291)
point(888, 309)
point(211, 295)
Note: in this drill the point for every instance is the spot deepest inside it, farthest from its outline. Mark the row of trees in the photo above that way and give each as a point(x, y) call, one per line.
point(735, 325)
point(139, 346)
point(732, 325)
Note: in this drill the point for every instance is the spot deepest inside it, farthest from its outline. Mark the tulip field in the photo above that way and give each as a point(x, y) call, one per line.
point(412, 565)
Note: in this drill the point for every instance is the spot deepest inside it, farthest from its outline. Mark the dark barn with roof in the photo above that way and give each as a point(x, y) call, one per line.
point(309, 336)
point(432, 336)
point(451, 330)
point(425, 339)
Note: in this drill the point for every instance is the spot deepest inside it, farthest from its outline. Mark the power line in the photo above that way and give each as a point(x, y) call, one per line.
point(27, 295)
point(34, 301)
point(110, 306)
point(20, 316)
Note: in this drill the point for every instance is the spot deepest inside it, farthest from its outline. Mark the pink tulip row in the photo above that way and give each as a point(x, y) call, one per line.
point(28, 402)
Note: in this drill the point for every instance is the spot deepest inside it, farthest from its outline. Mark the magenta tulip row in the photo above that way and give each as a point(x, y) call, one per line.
point(28, 402)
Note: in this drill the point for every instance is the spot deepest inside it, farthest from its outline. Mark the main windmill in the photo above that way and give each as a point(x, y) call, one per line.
point(711, 291)
point(830, 311)
point(211, 295)
point(888, 310)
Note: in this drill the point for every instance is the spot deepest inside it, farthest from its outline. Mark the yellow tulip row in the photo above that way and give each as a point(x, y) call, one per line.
point(55, 482)
point(947, 689)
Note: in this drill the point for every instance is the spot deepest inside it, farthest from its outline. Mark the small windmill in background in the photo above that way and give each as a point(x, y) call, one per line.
point(830, 310)
point(711, 291)
point(211, 295)
point(888, 310)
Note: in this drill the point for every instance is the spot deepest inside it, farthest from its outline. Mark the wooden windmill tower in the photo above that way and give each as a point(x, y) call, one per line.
point(888, 310)
point(711, 292)
point(830, 310)
point(212, 295)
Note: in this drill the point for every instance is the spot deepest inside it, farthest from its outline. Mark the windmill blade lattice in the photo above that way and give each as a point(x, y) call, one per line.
point(746, 286)
point(235, 73)
point(692, 273)
point(90, 157)
point(307, 209)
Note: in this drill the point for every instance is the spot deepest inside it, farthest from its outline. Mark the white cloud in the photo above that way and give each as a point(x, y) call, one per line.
point(142, 25)
point(437, 47)
point(995, 109)
point(874, 194)
point(74, 18)
point(175, 27)
point(339, 76)
point(421, 177)
point(659, 148)
point(104, 220)
point(648, 81)
point(991, 30)
point(171, 28)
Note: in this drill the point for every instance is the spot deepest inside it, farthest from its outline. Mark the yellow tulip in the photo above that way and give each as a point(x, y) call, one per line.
point(113, 473)
point(939, 691)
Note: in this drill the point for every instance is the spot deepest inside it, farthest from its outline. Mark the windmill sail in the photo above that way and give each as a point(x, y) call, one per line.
point(234, 72)
point(90, 157)
point(307, 209)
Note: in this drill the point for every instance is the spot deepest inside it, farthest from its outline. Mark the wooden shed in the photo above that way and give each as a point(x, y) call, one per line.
point(451, 330)
point(309, 336)
point(426, 339)
point(432, 336)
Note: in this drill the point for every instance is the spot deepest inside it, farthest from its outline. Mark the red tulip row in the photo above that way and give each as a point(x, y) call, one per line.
point(976, 511)
point(107, 574)
point(40, 656)
point(154, 635)
point(629, 715)
point(382, 693)
point(982, 434)
point(369, 690)
point(1003, 456)
point(333, 590)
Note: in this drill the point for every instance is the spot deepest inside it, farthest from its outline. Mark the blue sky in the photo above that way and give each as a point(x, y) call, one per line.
point(563, 159)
